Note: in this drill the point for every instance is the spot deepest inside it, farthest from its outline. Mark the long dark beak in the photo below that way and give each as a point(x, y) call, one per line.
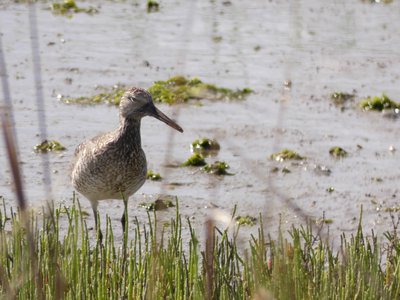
point(162, 117)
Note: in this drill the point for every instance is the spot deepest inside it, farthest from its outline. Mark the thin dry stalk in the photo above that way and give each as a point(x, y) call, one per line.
point(22, 204)
point(9, 139)
point(41, 111)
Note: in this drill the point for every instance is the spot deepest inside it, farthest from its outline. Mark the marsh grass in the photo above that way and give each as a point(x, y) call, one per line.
point(160, 264)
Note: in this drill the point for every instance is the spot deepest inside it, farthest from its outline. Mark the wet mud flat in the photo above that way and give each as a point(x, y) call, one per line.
point(317, 49)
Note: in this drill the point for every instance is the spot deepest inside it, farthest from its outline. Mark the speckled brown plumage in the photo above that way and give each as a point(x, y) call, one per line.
point(113, 165)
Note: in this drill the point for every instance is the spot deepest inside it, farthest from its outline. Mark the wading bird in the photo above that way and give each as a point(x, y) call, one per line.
point(113, 165)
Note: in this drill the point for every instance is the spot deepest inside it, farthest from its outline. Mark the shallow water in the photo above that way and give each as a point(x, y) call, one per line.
point(321, 47)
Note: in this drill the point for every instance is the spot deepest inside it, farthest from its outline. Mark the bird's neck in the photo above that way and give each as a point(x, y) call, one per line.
point(129, 132)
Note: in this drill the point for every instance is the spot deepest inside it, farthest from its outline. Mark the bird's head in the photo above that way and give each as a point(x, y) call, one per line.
point(137, 103)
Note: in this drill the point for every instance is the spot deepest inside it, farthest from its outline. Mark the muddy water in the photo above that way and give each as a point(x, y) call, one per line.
point(320, 48)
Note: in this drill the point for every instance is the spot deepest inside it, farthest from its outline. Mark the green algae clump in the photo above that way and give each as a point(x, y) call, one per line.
point(379, 103)
point(159, 204)
point(113, 97)
point(152, 6)
point(286, 154)
point(196, 160)
point(246, 220)
point(153, 176)
point(217, 168)
point(340, 98)
point(205, 146)
point(338, 152)
point(67, 7)
point(179, 89)
point(49, 146)
point(330, 189)
point(217, 38)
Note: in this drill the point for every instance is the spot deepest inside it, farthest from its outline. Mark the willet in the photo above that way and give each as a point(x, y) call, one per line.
point(113, 165)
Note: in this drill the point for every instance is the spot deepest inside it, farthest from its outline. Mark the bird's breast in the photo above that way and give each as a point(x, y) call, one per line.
point(110, 173)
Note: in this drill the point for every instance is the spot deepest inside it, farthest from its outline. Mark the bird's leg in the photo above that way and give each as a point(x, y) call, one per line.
point(96, 220)
point(124, 218)
point(125, 229)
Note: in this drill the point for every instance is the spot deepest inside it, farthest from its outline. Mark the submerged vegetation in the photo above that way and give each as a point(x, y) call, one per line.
point(67, 7)
point(152, 6)
point(205, 146)
point(49, 146)
point(113, 97)
point(217, 168)
point(286, 154)
point(179, 89)
point(338, 152)
point(158, 263)
point(159, 204)
point(330, 189)
point(379, 103)
point(340, 98)
point(196, 160)
point(153, 176)
point(246, 220)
